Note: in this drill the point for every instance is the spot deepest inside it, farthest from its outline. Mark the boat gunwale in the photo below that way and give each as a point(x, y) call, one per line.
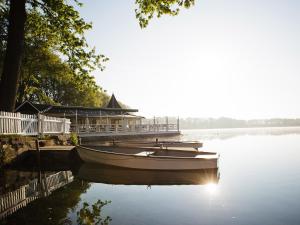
point(150, 148)
point(148, 156)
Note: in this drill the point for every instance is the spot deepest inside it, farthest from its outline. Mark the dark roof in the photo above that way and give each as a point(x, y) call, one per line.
point(113, 103)
point(31, 108)
point(28, 107)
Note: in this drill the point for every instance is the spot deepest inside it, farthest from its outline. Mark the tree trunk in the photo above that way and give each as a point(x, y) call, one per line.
point(13, 56)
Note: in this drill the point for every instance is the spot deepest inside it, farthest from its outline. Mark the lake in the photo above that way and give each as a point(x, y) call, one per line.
point(258, 182)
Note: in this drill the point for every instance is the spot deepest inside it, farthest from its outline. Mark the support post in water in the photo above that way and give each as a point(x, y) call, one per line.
point(37, 146)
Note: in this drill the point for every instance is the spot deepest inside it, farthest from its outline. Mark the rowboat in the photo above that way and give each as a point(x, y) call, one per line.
point(115, 175)
point(148, 158)
point(160, 144)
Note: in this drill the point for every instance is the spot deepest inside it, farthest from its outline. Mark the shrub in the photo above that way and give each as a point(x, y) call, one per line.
point(7, 154)
point(73, 139)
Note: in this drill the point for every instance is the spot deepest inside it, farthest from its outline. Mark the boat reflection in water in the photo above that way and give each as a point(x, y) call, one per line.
point(22, 187)
point(114, 175)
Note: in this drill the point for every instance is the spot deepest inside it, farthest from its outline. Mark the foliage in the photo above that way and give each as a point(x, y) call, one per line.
point(57, 60)
point(58, 25)
point(74, 139)
point(2, 156)
point(46, 79)
point(7, 155)
point(92, 215)
point(148, 8)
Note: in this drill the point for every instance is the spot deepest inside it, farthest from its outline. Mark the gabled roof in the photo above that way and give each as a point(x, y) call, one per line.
point(28, 107)
point(113, 103)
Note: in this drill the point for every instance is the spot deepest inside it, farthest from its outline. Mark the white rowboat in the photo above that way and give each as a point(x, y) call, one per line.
point(146, 158)
point(160, 144)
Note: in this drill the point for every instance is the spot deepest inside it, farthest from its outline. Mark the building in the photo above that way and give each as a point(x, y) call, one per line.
point(112, 120)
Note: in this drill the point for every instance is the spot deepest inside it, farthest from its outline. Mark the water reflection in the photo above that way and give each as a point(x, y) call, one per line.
point(91, 215)
point(44, 197)
point(21, 188)
point(113, 175)
point(40, 197)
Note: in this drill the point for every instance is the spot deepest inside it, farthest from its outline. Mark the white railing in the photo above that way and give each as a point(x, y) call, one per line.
point(24, 124)
point(118, 128)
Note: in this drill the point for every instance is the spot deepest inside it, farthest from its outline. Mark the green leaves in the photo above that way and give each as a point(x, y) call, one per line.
point(92, 215)
point(57, 60)
point(49, 80)
point(146, 9)
point(62, 27)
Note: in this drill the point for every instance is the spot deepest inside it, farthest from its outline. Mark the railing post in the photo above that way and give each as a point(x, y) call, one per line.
point(40, 124)
point(178, 124)
point(87, 123)
point(43, 124)
point(64, 125)
point(19, 122)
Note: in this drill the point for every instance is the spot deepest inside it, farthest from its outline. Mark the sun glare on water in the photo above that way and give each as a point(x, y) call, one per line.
point(212, 188)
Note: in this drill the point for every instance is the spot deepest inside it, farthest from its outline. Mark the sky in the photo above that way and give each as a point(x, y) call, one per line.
point(231, 58)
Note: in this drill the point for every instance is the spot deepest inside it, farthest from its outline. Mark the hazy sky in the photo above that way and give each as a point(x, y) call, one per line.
point(234, 58)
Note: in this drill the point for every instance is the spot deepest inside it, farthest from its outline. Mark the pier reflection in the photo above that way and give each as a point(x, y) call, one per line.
point(22, 187)
point(114, 175)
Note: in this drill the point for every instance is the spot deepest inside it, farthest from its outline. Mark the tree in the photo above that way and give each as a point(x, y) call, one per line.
point(12, 60)
point(64, 22)
point(147, 9)
point(46, 79)
point(45, 76)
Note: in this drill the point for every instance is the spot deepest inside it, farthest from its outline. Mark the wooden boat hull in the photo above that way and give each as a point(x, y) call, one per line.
point(116, 175)
point(150, 162)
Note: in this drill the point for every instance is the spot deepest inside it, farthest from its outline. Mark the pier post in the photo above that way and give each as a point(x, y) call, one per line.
point(37, 146)
point(167, 124)
point(178, 123)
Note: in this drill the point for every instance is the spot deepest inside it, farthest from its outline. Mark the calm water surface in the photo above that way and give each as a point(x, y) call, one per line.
point(258, 182)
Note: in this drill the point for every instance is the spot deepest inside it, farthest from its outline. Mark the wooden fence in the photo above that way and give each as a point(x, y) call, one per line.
point(24, 124)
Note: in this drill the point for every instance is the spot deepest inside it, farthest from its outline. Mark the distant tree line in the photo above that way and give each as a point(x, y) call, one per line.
point(223, 122)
